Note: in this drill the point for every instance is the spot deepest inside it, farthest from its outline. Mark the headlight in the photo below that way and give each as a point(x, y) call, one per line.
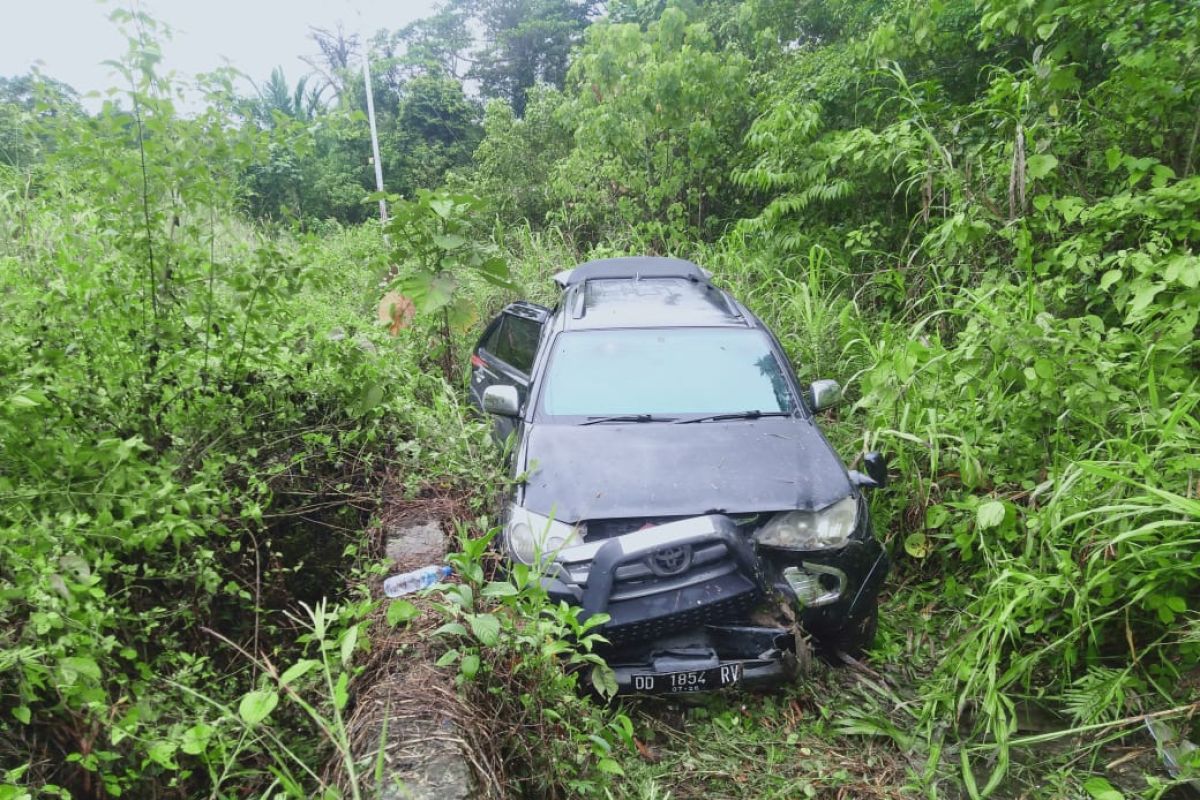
point(530, 535)
point(826, 529)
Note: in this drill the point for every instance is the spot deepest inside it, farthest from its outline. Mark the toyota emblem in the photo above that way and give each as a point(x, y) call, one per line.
point(670, 561)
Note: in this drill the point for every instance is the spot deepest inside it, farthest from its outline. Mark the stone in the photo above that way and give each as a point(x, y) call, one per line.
point(413, 544)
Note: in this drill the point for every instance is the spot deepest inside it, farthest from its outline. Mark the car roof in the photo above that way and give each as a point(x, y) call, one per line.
point(645, 292)
point(632, 267)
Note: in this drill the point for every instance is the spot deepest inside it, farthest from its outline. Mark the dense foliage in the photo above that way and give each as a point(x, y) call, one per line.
point(981, 217)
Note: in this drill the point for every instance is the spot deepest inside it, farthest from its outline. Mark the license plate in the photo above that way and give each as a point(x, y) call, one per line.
point(692, 680)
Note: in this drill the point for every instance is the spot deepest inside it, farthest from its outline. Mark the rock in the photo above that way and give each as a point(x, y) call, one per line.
point(412, 544)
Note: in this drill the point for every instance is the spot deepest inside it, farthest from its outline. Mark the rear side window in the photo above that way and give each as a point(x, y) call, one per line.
point(514, 341)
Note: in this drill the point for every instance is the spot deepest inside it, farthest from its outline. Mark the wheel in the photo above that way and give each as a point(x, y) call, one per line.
point(855, 638)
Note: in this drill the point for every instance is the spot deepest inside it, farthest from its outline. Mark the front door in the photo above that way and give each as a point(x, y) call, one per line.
point(504, 356)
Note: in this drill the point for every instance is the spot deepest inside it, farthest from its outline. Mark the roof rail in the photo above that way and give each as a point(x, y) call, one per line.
point(633, 267)
point(734, 311)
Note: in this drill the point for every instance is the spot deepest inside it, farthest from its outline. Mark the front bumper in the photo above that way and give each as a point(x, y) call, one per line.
point(680, 596)
point(705, 659)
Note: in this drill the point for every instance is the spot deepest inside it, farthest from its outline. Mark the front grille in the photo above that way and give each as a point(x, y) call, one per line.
point(726, 610)
point(637, 578)
point(665, 578)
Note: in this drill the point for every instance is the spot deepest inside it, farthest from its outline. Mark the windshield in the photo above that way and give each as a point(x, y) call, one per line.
point(663, 371)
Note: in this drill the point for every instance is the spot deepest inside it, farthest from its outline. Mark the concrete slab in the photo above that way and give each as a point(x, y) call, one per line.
point(414, 543)
point(428, 765)
point(424, 754)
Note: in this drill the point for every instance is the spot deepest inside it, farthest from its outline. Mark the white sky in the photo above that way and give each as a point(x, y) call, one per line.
point(70, 38)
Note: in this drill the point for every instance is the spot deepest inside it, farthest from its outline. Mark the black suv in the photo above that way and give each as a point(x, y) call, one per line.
point(674, 477)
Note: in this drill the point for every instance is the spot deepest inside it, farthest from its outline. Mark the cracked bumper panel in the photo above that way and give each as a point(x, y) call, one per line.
point(846, 581)
point(714, 657)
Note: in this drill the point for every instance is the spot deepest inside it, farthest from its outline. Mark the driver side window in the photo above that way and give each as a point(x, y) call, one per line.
point(514, 341)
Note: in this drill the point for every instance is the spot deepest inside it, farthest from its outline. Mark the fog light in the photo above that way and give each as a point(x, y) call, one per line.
point(815, 585)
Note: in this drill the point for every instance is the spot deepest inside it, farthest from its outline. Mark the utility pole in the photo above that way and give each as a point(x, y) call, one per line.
point(383, 216)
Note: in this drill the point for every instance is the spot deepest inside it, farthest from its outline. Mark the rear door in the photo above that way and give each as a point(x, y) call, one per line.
point(505, 355)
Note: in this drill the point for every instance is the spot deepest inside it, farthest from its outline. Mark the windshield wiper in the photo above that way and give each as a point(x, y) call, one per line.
point(626, 418)
point(735, 415)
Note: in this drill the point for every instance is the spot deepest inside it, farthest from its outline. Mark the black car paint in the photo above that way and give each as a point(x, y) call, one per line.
point(488, 370)
point(658, 469)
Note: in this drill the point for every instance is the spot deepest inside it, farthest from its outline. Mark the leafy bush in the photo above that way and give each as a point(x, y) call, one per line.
point(523, 658)
point(192, 416)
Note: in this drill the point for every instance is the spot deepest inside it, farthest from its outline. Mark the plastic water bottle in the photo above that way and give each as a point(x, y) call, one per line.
point(409, 582)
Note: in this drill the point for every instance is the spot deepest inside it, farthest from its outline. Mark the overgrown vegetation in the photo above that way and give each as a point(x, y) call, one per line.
point(981, 217)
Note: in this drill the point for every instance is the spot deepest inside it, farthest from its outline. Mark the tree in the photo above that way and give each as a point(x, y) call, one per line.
point(657, 116)
point(527, 42)
point(275, 96)
point(439, 241)
point(27, 103)
point(337, 50)
point(516, 159)
point(436, 45)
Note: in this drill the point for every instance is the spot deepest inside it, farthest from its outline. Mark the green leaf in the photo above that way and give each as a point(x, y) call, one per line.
point(499, 589)
point(1109, 278)
point(401, 611)
point(447, 658)
point(75, 667)
point(1112, 158)
point(461, 314)
point(297, 670)
point(990, 514)
point(22, 714)
point(195, 739)
point(1143, 298)
point(1040, 165)
point(162, 753)
point(257, 706)
point(936, 516)
point(449, 241)
point(495, 271)
point(469, 666)
point(486, 628)
point(372, 396)
point(604, 680)
point(1100, 789)
point(916, 544)
point(429, 292)
point(609, 766)
point(349, 641)
point(341, 691)
point(454, 628)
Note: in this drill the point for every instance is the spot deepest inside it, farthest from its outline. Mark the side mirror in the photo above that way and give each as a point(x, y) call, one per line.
point(825, 394)
point(501, 401)
point(876, 465)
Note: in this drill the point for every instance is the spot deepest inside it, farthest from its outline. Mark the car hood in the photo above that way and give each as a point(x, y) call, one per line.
point(651, 469)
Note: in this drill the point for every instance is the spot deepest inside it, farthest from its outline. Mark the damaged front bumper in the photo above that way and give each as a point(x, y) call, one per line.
point(680, 597)
point(706, 659)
